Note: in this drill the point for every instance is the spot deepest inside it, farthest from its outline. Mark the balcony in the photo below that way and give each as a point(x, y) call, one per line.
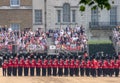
point(103, 25)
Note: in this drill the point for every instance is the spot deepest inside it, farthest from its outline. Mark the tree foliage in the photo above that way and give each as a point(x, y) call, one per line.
point(102, 4)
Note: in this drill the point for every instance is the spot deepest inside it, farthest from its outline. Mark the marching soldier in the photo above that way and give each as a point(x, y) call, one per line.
point(38, 67)
point(117, 66)
point(26, 67)
point(66, 67)
point(105, 67)
point(60, 67)
point(77, 67)
point(32, 67)
point(72, 66)
point(10, 67)
point(4, 67)
point(44, 67)
point(82, 66)
point(50, 65)
point(111, 68)
point(55, 65)
point(99, 70)
point(87, 67)
point(21, 66)
point(15, 67)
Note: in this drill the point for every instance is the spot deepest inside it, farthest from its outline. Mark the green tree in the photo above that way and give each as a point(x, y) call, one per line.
point(102, 4)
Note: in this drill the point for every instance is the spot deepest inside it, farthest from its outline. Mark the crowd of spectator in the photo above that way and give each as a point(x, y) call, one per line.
point(71, 38)
point(26, 40)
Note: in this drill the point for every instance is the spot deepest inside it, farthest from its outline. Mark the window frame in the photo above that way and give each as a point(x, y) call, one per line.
point(40, 17)
point(14, 5)
point(15, 27)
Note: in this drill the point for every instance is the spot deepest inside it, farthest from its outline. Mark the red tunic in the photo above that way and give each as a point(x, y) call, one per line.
point(4, 65)
point(66, 64)
point(39, 63)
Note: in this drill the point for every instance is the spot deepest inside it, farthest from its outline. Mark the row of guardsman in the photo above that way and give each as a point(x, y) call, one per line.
point(61, 67)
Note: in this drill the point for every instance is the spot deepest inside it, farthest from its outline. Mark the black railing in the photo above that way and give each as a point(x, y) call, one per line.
point(103, 25)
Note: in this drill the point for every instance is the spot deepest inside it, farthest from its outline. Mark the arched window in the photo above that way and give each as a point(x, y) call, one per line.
point(66, 12)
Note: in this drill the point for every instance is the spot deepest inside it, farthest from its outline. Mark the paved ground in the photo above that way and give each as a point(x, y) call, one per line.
point(58, 79)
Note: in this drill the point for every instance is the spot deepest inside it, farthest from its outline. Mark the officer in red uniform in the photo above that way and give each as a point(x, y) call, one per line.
point(10, 67)
point(66, 67)
point(38, 67)
point(55, 66)
point(105, 67)
point(50, 65)
point(21, 66)
point(15, 67)
point(44, 67)
point(4, 67)
point(87, 67)
point(116, 67)
point(32, 67)
point(72, 66)
point(99, 70)
point(26, 67)
point(82, 66)
point(60, 67)
point(77, 65)
point(111, 67)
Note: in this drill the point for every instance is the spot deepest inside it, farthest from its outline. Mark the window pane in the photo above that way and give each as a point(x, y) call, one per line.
point(38, 16)
point(73, 15)
point(113, 16)
point(59, 15)
point(15, 2)
point(15, 26)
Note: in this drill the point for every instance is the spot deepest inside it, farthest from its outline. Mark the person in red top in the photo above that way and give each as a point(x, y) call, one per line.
point(32, 67)
point(15, 67)
point(105, 67)
point(82, 66)
point(116, 67)
point(72, 66)
point(38, 67)
point(111, 67)
point(10, 67)
point(77, 63)
point(66, 67)
point(87, 67)
point(99, 70)
point(60, 67)
point(50, 64)
point(94, 66)
point(55, 66)
point(26, 67)
point(4, 67)
point(44, 67)
point(21, 66)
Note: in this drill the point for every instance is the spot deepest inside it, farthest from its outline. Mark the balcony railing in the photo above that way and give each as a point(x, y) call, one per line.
point(103, 25)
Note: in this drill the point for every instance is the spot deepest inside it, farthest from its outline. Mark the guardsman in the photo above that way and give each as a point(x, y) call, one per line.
point(4, 67)
point(72, 66)
point(66, 67)
point(44, 67)
point(87, 67)
point(10, 67)
point(26, 67)
point(77, 65)
point(111, 67)
point(99, 70)
point(15, 67)
point(82, 66)
point(94, 67)
point(60, 67)
point(21, 66)
point(105, 67)
point(116, 67)
point(38, 67)
point(55, 66)
point(50, 65)
point(32, 67)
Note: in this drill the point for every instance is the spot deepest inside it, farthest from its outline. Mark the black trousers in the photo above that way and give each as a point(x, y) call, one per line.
point(14, 71)
point(43, 71)
point(32, 71)
point(111, 71)
point(60, 71)
point(20, 71)
point(93, 72)
point(82, 71)
point(54, 71)
point(104, 72)
point(26, 70)
point(71, 71)
point(87, 71)
point(99, 72)
point(4, 71)
point(49, 71)
point(76, 71)
point(66, 71)
point(38, 71)
point(116, 72)
point(10, 71)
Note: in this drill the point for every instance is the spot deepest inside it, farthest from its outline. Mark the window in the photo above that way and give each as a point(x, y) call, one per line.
point(59, 15)
point(14, 2)
point(38, 16)
point(113, 16)
point(66, 12)
point(73, 15)
point(15, 26)
point(94, 17)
